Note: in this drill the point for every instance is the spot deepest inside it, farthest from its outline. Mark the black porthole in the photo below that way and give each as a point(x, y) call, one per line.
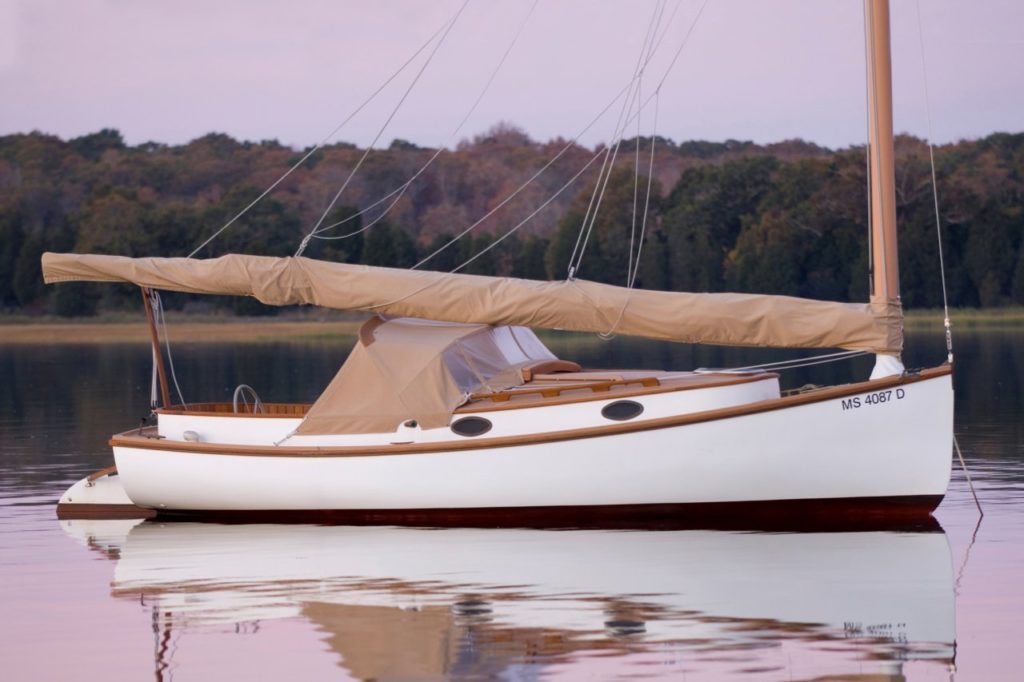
point(622, 410)
point(471, 426)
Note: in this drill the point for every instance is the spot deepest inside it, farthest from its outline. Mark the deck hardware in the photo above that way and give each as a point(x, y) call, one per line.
point(471, 426)
point(622, 410)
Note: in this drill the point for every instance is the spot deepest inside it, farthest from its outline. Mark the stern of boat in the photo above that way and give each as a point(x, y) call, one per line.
point(100, 495)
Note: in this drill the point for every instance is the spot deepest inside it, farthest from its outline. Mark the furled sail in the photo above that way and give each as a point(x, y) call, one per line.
point(722, 319)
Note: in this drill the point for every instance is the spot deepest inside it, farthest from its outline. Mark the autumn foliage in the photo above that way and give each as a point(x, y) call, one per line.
point(788, 218)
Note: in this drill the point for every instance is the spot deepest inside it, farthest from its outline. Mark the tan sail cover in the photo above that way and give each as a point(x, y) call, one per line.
point(402, 370)
point(722, 319)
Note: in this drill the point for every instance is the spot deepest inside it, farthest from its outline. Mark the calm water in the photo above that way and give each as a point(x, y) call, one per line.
point(186, 601)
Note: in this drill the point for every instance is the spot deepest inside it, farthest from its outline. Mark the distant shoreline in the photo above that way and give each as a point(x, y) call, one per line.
point(968, 318)
point(127, 328)
point(245, 330)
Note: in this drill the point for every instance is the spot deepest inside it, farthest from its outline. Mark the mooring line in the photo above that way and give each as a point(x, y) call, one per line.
point(970, 483)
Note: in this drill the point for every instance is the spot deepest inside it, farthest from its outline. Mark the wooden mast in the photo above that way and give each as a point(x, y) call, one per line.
point(885, 276)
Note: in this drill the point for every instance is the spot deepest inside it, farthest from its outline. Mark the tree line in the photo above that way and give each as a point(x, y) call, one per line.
point(789, 218)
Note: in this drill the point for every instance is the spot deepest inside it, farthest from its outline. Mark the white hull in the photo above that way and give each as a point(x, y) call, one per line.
point(822, 450)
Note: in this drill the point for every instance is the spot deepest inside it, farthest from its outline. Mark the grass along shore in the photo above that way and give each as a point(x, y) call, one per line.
point(183, 328)
point(186, 328)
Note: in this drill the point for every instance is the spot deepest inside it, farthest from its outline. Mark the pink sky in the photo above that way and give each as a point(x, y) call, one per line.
point(172, 70)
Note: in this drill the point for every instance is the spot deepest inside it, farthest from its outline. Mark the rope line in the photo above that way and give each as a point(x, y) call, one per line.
point(387, 122)
point(611, 152)
point(631, 280)
point(569, 145)
point(867, 162)
point(527, 218)
point(650, 183)
point(803, 362)
point(967, 475)
point(327, 138)
point(935, 190)
point(161, 321)
point(493, 244)
point(631, 267)
point(665, 75)
point(401, 189)
point(622, 92)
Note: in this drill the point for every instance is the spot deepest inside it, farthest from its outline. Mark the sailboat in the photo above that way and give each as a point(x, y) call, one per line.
point(450, 410)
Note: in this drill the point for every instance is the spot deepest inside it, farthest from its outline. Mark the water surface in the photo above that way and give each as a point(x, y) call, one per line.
point(192, 601)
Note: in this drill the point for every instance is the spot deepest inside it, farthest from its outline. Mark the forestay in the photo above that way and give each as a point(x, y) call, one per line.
point(575, 305)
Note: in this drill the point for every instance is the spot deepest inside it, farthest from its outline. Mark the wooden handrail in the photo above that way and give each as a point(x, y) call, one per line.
point(555, 391)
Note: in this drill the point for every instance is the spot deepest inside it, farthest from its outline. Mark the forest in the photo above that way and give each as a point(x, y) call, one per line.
point(787, 218)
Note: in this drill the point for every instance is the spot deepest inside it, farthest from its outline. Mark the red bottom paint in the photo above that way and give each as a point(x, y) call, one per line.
point(855, 513)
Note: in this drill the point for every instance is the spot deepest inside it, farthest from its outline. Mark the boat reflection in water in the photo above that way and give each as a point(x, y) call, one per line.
point(439, 604)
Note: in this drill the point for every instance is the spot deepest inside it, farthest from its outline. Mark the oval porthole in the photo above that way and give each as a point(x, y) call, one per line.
point(471, 426)
point(622, 410)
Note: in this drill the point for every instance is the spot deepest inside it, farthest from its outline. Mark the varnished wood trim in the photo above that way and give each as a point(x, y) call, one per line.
point(897, 513)
point(81, 510)
point(106, 471)
point(131, 439)
point(626, 393)
point(270, 410)
point(555, 391)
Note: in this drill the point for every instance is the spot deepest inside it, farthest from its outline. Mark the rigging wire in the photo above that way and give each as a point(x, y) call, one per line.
point(528, 218)
point(503, 237)
point(633, 265)
point(161, 322)
point(627, 88)
point(650, 182)
point(938, 233)
point(387, 122)
point(967, 475)
point(935, 190)
point(611, 152)
point(317, 147)
point(401, 189)
point(631, 279)
point(657, 89)
point(867, 162)
point(568, 146)
point(636, 192)
point(636, 173)
point(802, 362)
point(504, 202)
point(493, 244)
